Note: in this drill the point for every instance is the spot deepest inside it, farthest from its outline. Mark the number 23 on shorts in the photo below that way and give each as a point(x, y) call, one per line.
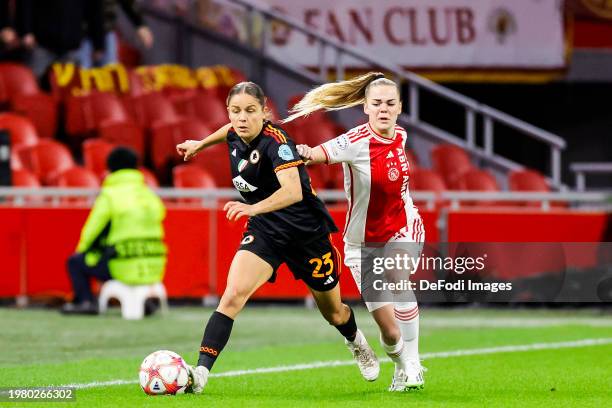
point(326, 261)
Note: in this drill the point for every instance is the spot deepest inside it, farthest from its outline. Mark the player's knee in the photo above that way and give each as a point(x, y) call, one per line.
point(390, 334)
point(336, 317)
point(233, 299)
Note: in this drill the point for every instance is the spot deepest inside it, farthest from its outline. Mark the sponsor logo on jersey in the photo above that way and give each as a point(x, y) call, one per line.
point(254, 156)
point(242, 185)
point(285, 153)
point(247, 240)
point(234, 152)
point(242, 164)
point(390, 155)
point(393, 174)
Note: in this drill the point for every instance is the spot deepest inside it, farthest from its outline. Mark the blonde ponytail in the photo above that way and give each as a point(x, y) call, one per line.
point(337, 95)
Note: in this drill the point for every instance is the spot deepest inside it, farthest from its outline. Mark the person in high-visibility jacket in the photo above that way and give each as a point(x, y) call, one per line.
point(123, 236)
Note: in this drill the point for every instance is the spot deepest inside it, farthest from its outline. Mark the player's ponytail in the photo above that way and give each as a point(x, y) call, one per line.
point(337, 95)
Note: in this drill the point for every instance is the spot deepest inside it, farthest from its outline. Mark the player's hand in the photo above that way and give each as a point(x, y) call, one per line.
point(188, 149)
point(305, 152)
point(236, 210)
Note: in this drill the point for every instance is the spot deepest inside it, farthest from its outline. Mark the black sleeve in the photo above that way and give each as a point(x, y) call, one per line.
point(94, 15)
point(281, 151)
point(131, 10)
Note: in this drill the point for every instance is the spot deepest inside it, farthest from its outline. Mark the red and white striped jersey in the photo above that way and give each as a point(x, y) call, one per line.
point(376, 174)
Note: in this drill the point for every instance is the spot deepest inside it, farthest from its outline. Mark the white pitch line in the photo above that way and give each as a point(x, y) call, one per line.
point(338, 363)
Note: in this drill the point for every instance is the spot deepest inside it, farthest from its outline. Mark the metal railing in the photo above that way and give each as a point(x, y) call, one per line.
point(416, 84)
point(580, 171)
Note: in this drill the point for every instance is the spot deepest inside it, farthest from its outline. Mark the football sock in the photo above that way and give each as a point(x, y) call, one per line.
point(216, 335)
point(348, 329)
point(407, 317)
point(394, 351)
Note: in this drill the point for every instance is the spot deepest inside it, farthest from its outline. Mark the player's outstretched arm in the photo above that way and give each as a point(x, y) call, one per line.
point(311, 155)
point(190, 148)
point(290, 192)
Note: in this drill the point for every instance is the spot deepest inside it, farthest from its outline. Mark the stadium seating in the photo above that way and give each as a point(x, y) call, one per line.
point(149, 177)
point(24, 178)
point(149, 108)
point(41, 109)
point(192, 176)
point(451, 162)
point(16, 80)
point(426, 180)
point(95, 152)
point(47, 159)
point(527, 180)
point(215, 161)
point(16, 163)
point(477, 180)
point(165, 137)
point(210, 111)
point(78, 177)
point(21, 130)
point(84, 114)
point(123, 133)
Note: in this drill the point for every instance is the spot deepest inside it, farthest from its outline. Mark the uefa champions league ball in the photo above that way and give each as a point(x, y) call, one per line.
point(164, 372)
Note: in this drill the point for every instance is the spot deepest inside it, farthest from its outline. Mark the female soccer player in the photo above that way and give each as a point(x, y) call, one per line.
point(287, 223)
point(376, 174)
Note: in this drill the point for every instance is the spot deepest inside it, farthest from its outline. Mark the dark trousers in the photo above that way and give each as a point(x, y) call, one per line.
point(80, 274)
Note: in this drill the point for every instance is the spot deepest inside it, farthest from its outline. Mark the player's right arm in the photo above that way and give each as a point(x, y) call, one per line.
point(337, 150)
point(190, 148)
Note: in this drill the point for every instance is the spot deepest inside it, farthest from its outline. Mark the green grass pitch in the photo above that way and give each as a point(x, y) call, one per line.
point(40, 348)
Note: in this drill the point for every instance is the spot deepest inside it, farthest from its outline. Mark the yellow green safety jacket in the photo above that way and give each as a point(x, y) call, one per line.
point(125, 223)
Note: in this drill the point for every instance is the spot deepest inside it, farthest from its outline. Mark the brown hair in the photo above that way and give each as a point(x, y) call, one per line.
point(338, 95)
point(249, 88)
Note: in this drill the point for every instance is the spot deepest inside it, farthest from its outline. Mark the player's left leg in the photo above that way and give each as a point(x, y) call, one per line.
point(341, 316)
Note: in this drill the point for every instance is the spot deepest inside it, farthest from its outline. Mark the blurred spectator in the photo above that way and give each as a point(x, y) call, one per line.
point(123, 236)
point(111, 56)
point(10, 49)
point(54, 30)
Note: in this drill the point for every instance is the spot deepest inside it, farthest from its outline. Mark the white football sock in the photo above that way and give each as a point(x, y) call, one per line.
point(407, 317)
point(394, 351)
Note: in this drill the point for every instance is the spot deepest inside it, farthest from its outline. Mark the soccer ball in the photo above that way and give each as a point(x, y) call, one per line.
point(164, 372)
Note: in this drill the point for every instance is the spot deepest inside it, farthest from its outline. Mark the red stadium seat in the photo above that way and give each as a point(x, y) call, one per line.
point(149, 177)
point(24, 178)
point(530, 180)
point(17, 80)
point(215, 160)
point(149, 108)
point(123, 134)
point(21, 130)
point(16, 163)
point(210, 111)
point(527, 180)
point(425, 180)
point(95, 152)
point(452, 162)
point(165, 137)
point(78, 177)
point(477, 180)
point(192, 176)
point(313, 134)
point(41, 109)
point(84, 114)
point(48, 159)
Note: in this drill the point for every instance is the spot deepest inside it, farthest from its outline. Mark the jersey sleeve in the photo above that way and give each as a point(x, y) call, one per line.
point(340, 150)
point(283, 154)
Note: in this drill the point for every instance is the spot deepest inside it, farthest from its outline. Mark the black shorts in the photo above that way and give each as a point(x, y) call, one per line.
point(317, 261)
